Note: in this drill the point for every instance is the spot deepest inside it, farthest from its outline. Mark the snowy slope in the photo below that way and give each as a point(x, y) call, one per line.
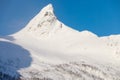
point(47, 49)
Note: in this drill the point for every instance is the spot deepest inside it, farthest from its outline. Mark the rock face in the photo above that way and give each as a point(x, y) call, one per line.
point(46, 49)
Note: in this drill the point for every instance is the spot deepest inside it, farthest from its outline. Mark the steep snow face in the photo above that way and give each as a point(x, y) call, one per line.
point(44, 23)
point(49, 50)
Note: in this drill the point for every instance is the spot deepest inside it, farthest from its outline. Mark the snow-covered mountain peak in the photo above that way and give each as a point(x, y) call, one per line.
point(49, 7)
point(45, 22)
point(47, 11)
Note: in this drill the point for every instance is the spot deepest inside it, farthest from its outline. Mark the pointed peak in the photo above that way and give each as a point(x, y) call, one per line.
point(49, 7)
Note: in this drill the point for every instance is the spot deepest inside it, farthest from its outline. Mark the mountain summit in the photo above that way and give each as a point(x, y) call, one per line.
point(44, 23)
point(47, 8)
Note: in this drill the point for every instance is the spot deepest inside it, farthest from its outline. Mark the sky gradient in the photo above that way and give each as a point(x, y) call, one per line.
point(101, 17)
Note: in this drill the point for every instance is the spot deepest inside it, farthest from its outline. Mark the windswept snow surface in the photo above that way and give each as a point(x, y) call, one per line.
point(46, 49)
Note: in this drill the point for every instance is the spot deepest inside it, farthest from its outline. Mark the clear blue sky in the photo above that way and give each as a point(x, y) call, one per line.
point(102, 17)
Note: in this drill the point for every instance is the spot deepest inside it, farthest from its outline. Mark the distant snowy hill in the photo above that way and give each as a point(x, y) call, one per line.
point(47, 49)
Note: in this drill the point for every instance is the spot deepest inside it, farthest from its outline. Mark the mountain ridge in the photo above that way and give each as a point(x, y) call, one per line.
point(45, 22)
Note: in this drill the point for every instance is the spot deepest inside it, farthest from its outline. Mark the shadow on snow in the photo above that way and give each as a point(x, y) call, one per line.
point(12, 58)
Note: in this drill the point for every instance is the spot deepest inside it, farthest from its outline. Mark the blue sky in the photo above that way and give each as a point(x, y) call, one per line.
point(102, 17)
